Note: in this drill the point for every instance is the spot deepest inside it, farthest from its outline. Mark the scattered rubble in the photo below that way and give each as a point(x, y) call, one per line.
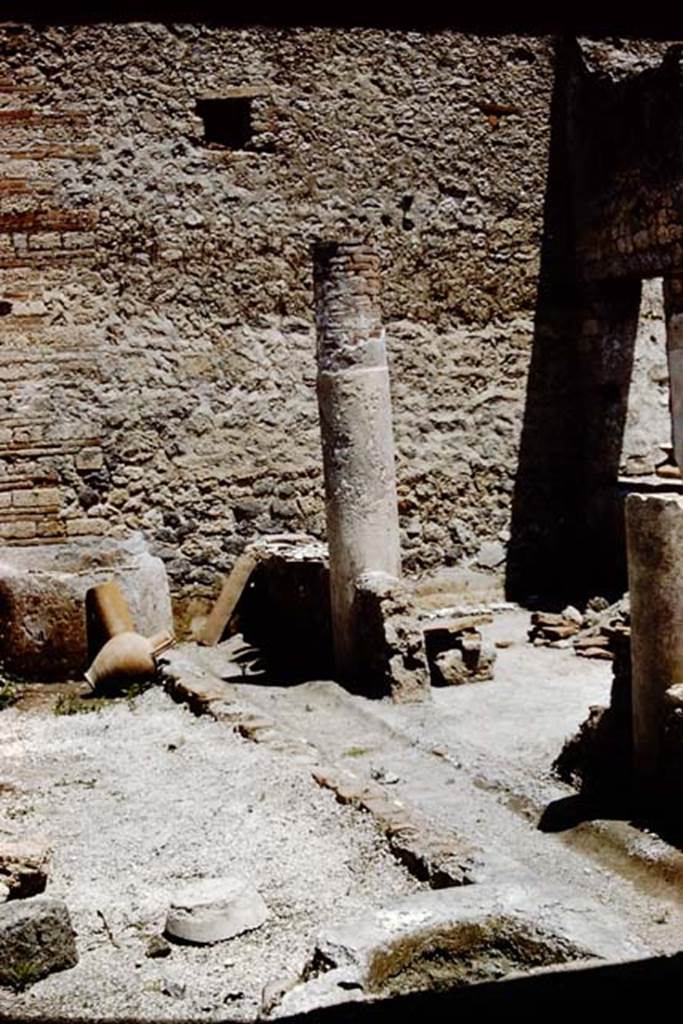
point(24, 866)
point(214, 909)
point(456, 651)
point(594, 634)
point(36, 938)
point(552, 629)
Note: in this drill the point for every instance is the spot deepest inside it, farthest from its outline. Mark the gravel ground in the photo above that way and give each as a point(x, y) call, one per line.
point(140, 796)
point(491, 780)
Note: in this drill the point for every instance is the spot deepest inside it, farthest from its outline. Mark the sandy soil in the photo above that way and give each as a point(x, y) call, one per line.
point(141, 795)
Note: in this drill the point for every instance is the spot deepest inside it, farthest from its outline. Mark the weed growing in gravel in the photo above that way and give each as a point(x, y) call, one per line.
point(20, 812)
point(356, 751)
point(136, 689)
point(72, 704)
point(8, 694)
point(23, 974)
point(87, 783)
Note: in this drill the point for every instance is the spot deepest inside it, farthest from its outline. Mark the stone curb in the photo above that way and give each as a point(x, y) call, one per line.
point(441, 858)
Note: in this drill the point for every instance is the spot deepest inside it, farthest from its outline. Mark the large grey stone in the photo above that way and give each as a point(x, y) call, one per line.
point(36, 938)
point(464, 934)
point(214, 909)
point(43, 591)
point(491, 554)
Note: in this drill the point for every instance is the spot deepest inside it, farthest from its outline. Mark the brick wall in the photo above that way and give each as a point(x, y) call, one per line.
point(42, 240)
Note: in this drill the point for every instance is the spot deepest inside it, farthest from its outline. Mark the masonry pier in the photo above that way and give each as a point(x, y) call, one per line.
point(654, 530)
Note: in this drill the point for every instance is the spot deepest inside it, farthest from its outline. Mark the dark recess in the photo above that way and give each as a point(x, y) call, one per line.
point(227, 121)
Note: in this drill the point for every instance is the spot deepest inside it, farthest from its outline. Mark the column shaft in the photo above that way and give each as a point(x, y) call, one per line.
point(654, 533)
point(673, 305)
point(356, 429)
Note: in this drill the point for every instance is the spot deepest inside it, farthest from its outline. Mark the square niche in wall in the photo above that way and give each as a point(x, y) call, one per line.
point(227, 117)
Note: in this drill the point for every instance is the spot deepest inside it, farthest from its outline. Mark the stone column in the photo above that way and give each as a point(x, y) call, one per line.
point(654, 535)
point(673, 307)
point(356, 428)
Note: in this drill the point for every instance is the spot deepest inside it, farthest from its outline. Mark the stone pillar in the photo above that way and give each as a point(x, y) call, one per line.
point(654, 535)
point(673, 306)
point(356, 428)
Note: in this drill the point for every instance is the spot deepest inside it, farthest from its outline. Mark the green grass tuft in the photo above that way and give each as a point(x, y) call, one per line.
point(23, 974)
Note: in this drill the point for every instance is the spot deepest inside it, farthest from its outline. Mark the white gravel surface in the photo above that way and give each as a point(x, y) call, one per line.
point(139, 797)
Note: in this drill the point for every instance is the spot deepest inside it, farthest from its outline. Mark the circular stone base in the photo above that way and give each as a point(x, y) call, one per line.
point(214, 909)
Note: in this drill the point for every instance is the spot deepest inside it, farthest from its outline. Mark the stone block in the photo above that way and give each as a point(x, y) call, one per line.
point(45, 240)
point(440, 939)
point(18, 529)
point(43, 591)
point(24, 866)
point(390, 642)
point(89, 459)
point(36, 938)
point(36, 498)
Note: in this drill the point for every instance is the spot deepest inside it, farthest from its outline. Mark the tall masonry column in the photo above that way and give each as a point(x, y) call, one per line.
point(356, 429)
point(673, 309)
point(654, 537)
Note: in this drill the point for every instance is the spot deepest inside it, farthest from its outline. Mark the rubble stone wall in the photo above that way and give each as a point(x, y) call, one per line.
point(157, 355)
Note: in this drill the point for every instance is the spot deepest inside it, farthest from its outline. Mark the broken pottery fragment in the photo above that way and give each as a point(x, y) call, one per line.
point(214, 909)
point(127, 656)
point(107, 614)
